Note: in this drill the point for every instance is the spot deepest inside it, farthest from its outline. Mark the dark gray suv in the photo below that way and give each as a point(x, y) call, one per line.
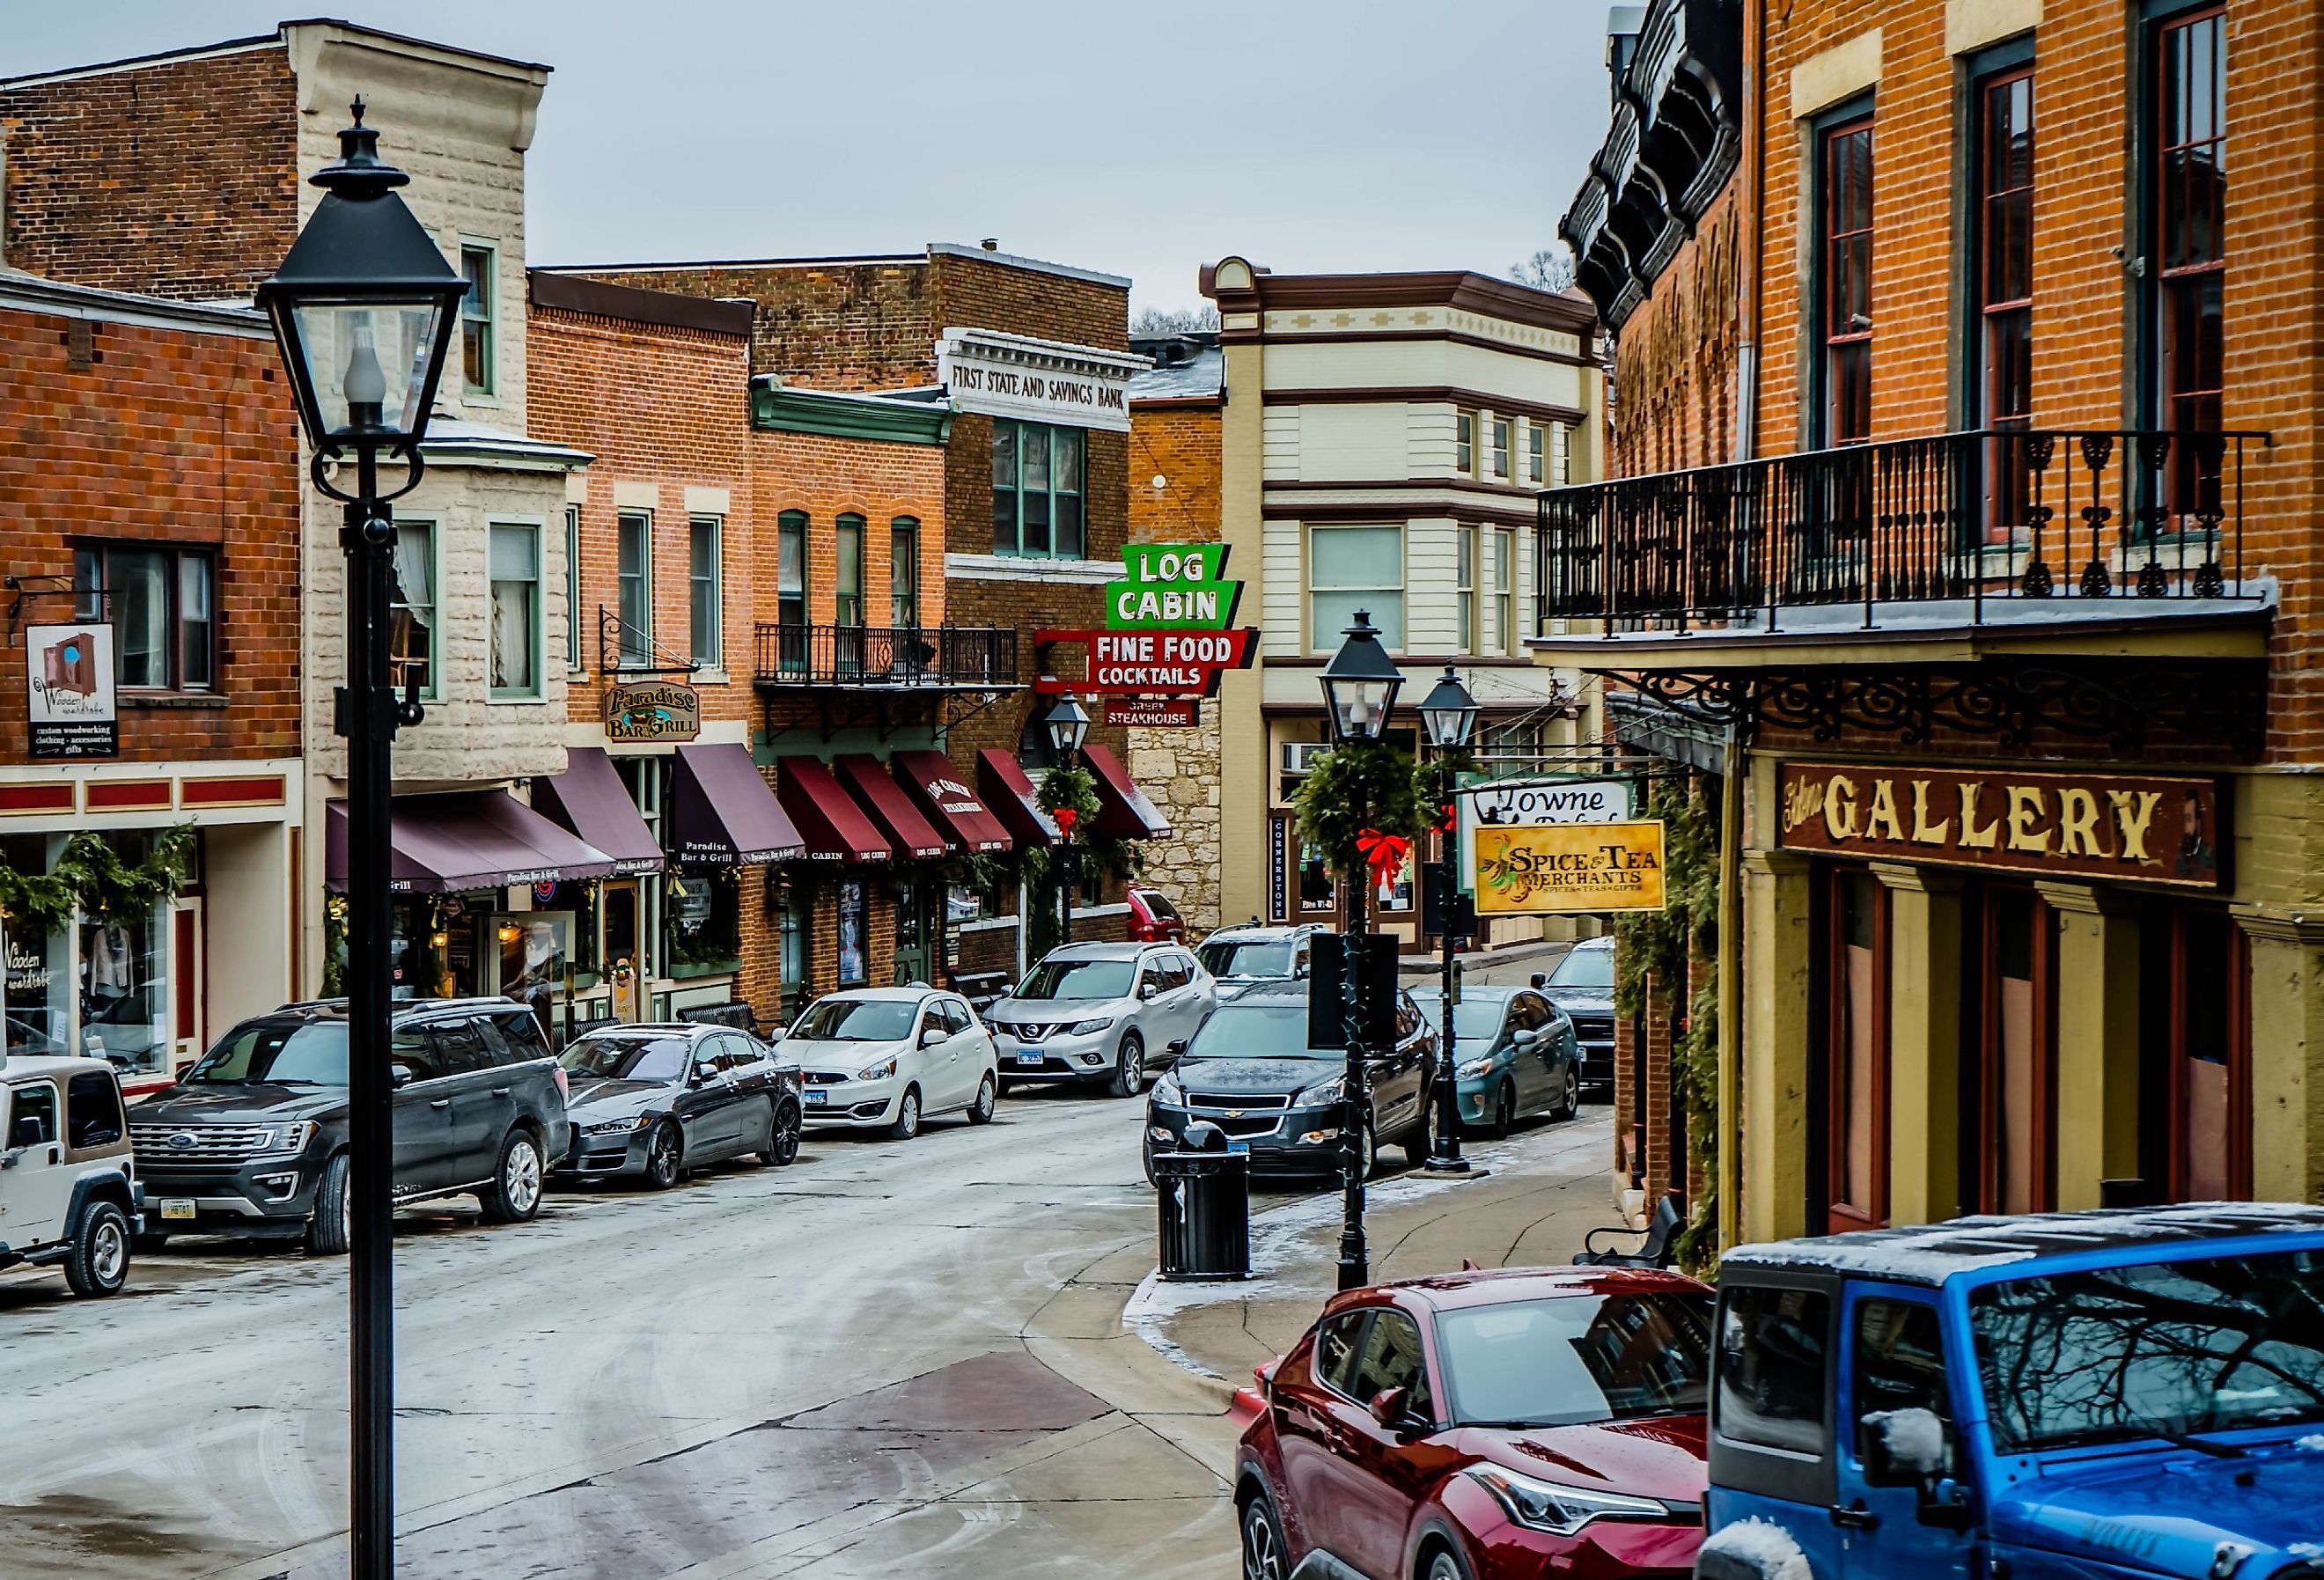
point(252, 1139)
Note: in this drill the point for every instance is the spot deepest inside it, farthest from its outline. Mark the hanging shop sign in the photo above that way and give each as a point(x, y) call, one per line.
point(1153, 664)
point(653, 710)
point(1172, 586)
point(1535, 802)
point(74, 712)
point(1556, 868)
point(2135, 826)
point(1154, 713)
point(1042, 381)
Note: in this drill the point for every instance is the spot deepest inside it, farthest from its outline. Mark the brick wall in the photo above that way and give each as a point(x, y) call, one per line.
point(827, 477)
point(159, 436)
point(178, 178)
point(1676, 398)
point(844, 326)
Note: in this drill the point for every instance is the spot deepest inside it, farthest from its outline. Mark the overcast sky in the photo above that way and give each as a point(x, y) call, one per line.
point(1136, 138)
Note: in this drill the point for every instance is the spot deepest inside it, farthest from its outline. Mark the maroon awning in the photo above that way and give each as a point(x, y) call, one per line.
point(1010, 794)
point(891, 812)
point(723, 812)
point(835, 828)
point(590, 800)
point(468, 839)
point(941, 790)
point(1122, 810)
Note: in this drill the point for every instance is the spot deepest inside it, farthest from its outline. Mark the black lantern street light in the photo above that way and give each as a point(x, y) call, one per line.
point(365, 306)
point(1069, 726)
point(1448, 716)
point(1359, 687)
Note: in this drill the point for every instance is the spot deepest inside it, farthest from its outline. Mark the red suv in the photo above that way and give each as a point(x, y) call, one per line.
point(1485, 1427)
point(1153, 920)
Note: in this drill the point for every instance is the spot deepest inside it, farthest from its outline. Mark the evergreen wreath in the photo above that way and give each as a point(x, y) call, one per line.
point(1349, 791)
point(91, 877)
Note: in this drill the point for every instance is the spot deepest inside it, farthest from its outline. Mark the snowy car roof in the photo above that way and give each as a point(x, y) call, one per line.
point(1930, 1254)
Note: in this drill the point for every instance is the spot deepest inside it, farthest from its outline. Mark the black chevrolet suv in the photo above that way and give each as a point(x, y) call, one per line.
point(254, 1139)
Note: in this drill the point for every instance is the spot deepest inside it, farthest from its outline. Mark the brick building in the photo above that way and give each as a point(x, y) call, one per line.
point(149, 508)
point(1966, 372)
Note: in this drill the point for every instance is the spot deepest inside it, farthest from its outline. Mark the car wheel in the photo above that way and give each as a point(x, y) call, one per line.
point(987, 1096)
point(1146, 1159)
point(907, 1123)
point(1367, 1153)
point(1505, 1111)
point(514, 1195)
point(1129, 1066)
point(1444, 1564)
point(1570, 1103)
point(99, 1263)
point(1264, 1554)
point(665, 1156)
point(332, 1228)
point(783, 1140)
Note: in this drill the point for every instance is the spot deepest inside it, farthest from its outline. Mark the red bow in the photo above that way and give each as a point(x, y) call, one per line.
point(1384, 854)
point(1065, 819)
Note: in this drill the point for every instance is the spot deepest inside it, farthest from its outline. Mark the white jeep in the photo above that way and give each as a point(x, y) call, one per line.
point(69, 1193)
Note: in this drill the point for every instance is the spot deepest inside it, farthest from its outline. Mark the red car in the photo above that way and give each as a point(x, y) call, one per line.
point(1484, 1426)
point(1153, 920)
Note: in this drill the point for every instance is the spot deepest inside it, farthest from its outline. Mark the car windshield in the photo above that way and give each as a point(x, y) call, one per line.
point(1275, 1030)
point(1574, 1359)
point(2151, 1350)
point(1225, 958)
point(857, 1020)
point(627, 1055)
point(1585, 970)
point(288, 1053)
point(1077, 979)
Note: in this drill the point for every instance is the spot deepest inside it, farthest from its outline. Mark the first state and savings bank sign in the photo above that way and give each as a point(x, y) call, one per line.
point(1039, 381)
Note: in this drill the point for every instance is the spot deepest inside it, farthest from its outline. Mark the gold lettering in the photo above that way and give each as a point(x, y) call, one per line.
point(1923, 831)
point(1839, 806)
point(1883, 811)
point(2078, 819)
point(1972, 836)
point(2025, 810)
point(2132, 811)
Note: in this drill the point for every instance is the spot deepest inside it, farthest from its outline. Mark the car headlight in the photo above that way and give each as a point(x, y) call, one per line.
point(1322, 1092)
point(606, 1127)
point(877, 1072)
point(1169, 1092)
point(1089, 1027)
point(1476, 1068)
point(289, 1138)
point(1560, 1511)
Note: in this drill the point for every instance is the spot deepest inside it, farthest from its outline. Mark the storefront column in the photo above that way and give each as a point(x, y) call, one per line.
point(1924, 1042)
point(2097, 1058)
point(1776, 963)
point(2287, 1035)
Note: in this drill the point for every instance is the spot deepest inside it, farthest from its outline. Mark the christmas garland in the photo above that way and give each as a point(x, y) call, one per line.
point(1348, 794)
point(91, 878)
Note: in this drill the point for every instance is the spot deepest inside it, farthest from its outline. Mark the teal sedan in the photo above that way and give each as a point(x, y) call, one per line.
point(1515, 1056)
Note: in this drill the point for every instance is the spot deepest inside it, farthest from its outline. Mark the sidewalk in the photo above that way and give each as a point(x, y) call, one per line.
point(1507, 967)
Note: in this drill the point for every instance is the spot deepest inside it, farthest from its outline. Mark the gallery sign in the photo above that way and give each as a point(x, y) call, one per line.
point(1042, 381)
point(653, 710)
point(1533, 802)
point(1153, 664)
point(73, 709)
point(1559, 868)
point(1173, 587)
point(2138, 827)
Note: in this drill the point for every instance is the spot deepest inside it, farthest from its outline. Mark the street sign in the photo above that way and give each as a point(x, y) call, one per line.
point(1529, 803)
point(1557, 868)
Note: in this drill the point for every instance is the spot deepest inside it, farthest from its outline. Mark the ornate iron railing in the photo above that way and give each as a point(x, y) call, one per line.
point(1969, 518)
point(954, 657)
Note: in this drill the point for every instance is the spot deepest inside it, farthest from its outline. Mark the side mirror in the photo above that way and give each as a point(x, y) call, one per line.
point(1388, 1407)
point(1524, 1037)
point(1901, 1449)
point(932, 1036)
point(1147, 992)
point(1176, 1049)
point(1541, 979)
point(399, 1074)
point(9, 1159)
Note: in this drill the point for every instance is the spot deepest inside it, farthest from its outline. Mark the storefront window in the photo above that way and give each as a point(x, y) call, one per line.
point(125, 1005)
point(702, 916)
point(854, 931)
point(795, 913)
point(579, 900)
point(2015, 1076)
point(1857, 1049)
point(2204, 967)
point(39, 976)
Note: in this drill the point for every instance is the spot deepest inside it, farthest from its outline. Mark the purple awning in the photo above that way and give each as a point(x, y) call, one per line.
point(590, 798)
point(470, 839)
point(724, 812)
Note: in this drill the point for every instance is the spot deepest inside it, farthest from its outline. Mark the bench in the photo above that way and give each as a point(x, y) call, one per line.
point(1655, 1250)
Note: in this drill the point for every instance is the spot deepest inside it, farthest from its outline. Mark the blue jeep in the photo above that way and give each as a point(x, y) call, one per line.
point(2118, 1393)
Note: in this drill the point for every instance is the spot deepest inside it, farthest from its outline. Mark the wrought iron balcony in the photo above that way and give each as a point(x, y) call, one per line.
point(1962, 528)
point(888, 658)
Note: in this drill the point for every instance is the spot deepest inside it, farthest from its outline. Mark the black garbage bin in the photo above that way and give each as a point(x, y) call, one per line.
point(1203, 1206)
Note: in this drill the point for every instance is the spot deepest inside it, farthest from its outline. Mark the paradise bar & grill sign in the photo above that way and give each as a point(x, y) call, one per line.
point(2136, 826)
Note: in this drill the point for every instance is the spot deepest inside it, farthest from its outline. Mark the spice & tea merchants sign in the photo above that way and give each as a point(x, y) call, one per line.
point(2134, 826)
point(1557, 868)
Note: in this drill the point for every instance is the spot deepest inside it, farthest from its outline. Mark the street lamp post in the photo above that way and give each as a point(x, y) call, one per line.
point(1448, 713)
point(365, 308)
point(1359, 687)
point(1069, 726)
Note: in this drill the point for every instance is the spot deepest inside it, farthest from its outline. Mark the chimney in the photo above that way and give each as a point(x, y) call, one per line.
point(991, 244)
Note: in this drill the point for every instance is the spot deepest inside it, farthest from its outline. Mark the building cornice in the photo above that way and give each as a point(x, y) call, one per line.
point(1050, 355)
point(845, 414)
point(30, 293)
point(1087, 573)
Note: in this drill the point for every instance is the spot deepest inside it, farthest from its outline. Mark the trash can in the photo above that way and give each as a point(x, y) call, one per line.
point(1202, 1204)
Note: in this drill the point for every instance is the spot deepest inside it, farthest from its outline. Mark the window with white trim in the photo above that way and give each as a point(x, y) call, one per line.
point(703, 589)
point(514, 557)
point(1350, 569)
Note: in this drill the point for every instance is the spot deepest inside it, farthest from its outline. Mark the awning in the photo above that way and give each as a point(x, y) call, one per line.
point(1010, 794)
point(940, 790)
point(892, 812)
point(590, 800)
point(723, 812)
point(470, 839)
point(837, 829)
point(1122, 810)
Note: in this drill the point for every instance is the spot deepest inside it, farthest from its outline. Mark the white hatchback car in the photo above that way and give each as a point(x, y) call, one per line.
point(892, 1057)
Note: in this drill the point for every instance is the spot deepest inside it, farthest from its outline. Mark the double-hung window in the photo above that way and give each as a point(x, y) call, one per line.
point(412, 607)
point(1844, 192)
point(164, 607)
point(1536, 454)
point(1350, 569)
point(633, 571)
point(1038, 487)
point(703, 588)
point(1505, 590)
point(478, 320)
point(903, 573)
point(1464, 591)
point(515, 572)
point(2002, 276)
point(848, 586)
point(1500, 449)
point(790, 590)
point(1464, 443)
point(573, 588)
point(2189, 137)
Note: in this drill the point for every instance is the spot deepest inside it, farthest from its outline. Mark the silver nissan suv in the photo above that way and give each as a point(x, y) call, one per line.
point(1101, 1013)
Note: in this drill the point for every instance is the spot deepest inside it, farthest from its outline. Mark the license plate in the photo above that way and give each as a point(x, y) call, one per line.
point(1238, 1149)
point(1031, 1058)
point(178, 1209)
point(817, 1099)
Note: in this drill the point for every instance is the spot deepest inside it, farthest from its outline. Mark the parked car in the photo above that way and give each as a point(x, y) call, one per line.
point(254, 1139)
point(1153, 920)
point(892, 1057)
point(1582, 986)
point(1248, 1071)
point(1101, 1013)
point(1515, 1055)
point(2111, 1393)
point(68, 1193)
point(653, 1101)
point(1238, 957)
point(1489, 1426)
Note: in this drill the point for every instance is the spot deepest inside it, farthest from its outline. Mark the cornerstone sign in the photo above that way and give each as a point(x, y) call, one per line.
point(1041, 381)
point(2136, 826)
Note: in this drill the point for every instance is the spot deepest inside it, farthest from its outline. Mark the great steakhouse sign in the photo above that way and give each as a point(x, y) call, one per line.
point(2149, 829)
